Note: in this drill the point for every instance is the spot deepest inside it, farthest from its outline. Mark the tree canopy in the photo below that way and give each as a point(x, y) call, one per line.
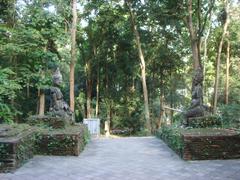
point(174, 38)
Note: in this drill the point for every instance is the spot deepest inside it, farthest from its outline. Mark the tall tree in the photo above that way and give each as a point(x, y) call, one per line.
point(194, 36)
point(227, 71)
point(142, 65)
point(196, 23)
point(73, 52)
point(225, 19)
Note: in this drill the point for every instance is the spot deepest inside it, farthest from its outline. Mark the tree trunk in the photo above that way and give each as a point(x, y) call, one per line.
point(89, 89)
point(161, 99)
point(195, 42)
point(97, 84)
point(227, 72)
point(108, 121)
point(97, 91)
point(143, 68)
point(73, 53)
point(41, 103)
point(205, 55)
point(218, 63)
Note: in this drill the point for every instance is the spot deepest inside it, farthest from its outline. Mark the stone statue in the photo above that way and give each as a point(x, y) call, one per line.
point(58, 107)
point(197, 109)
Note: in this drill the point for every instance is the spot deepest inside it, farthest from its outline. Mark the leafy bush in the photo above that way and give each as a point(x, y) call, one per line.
point(8, 88)
point(178, 118)
point(230, 115)
point(172, 136)
point(205, 121)
point(86, 135)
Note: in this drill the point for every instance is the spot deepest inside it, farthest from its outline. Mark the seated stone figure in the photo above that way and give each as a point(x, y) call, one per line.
point(58, 107)
point(197, 109)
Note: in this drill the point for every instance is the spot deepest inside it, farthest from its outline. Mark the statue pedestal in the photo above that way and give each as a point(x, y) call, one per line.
point(69, 141)
point(58, 135)
point(50, 121)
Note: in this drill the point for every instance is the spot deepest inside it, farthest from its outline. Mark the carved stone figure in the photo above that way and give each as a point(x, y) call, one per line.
point(197, 109)
point(58, 107)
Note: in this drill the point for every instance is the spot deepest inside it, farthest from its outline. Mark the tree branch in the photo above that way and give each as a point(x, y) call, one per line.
point(201, 29)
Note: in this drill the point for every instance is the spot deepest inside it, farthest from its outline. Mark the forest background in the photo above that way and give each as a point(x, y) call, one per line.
point(126, 60)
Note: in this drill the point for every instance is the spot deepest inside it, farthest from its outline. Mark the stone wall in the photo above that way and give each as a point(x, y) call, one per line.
point(202, 143)
point(222, 145)
point(20, 142)
point(69, 141)
point(16, 150)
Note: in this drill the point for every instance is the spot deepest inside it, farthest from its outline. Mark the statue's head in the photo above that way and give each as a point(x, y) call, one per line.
point(57, 77)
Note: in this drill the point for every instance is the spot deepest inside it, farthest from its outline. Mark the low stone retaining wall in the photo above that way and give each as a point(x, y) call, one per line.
point(68, 141)
point(202, 144)
point(15, 150)
point(217, 144)
point(20, 142)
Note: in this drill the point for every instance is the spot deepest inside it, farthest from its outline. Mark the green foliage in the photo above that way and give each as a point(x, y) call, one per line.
point(172, 135)
point(79, 112)
point(35, 38)
point(25, 149)
point(129, 114)
point(142, 132)
point(86, 136)
point(230, 115)
point(4, 149)
point(14, 129)
point(178, 118)
point(66, 141)
point(9, 86)
point(206, 121)
point(23, 146)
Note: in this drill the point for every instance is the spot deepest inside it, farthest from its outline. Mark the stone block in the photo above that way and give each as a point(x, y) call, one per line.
point(202, 143)
point(216, 144)
point(68, 141)
point(16, 149)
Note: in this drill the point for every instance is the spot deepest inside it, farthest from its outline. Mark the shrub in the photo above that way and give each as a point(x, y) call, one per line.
point(8, 89)
point(172, 136)
point(230, 115)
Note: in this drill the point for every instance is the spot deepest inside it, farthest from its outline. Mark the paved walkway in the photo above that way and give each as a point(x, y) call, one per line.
point(125, 159)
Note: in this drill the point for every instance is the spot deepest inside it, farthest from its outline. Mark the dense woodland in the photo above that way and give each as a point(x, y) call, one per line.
point(122, 61)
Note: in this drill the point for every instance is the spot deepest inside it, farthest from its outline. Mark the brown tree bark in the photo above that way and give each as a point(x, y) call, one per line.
point(97, 87)
point(160, 120)
point(142, 65)
point(41, 103)
point(205, 53)
point(195, 41)
point(73, 53)
point(227, 73)
point(97, 98)
point(218, 60)
point(89, 88)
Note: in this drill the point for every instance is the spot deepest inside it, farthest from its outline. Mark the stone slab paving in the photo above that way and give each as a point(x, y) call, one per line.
point(133, 158)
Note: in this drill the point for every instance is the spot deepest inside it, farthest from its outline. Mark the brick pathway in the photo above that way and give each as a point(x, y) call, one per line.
point(125, 159)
